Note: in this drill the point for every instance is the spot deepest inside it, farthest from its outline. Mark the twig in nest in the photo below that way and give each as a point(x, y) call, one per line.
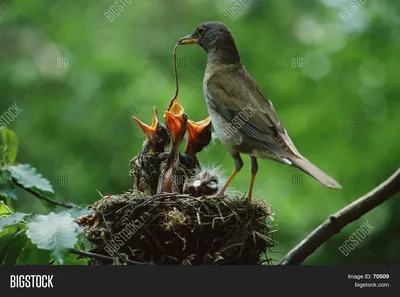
point(179, 229)
point(99, 256)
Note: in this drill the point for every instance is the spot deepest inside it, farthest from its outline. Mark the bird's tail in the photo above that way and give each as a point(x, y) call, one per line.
point(306, 166)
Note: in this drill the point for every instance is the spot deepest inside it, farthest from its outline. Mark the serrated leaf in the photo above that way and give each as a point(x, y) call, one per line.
point(14, 218)
point(7, 188)
point(29, 178)
point(11, 143)
point(54, 232)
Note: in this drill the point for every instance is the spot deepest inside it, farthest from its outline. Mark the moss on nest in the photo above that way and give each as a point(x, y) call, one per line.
point(179, 229)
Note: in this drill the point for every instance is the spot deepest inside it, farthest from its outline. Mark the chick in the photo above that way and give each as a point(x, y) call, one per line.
point(199, 136)
point(145, 167)
point(173, 172)
point(205, 182)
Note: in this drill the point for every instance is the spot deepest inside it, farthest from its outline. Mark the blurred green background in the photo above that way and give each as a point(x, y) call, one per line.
point(74, 73)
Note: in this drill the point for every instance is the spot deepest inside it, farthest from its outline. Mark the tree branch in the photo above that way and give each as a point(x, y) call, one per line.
point(94, 255)
point(336, 222)
point(40, 196)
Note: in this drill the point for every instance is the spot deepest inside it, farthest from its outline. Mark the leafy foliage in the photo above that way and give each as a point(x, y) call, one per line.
point(29, 178)
point(50, 235)
point(78, 211)
point(10, 239)
point(15, 246)
point(10, 146)
point(11, 219)
point(31, 254)
point(7, 188)
point(54, 232)
point(69, 109)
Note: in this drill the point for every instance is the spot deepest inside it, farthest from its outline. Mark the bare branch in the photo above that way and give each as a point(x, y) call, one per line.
point(40, 196)
point(336, 222)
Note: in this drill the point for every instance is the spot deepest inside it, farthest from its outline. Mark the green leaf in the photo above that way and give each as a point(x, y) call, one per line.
point(27, 177)
point(7, 202)
point(72, 259)
point(7, 236)
point(14, 218)
point(31, 254)
point(11, 143)
point(15, 248)
point(2, 154)
point(4, 209)
point(54, 232)
point(78, 211)
point(83, 243)
point(7, 188)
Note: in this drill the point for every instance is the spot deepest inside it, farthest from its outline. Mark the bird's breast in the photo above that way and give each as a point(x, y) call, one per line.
point(229, 136)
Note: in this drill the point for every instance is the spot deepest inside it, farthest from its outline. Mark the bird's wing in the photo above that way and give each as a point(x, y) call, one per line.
point(234, 93)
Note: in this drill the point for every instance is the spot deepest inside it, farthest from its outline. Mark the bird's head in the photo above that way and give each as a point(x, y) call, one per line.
point(204, 183)
point(199, 135)
point(216, 39)
point(176, 119)
point(157, 134)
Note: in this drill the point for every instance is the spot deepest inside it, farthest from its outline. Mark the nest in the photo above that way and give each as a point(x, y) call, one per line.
point(178, 229)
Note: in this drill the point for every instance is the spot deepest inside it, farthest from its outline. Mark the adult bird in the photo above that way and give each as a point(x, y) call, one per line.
point(243, 118)
point(145, 167)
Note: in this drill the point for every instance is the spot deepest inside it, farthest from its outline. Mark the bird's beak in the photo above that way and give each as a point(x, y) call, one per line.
point(149, 130)
point(172, 102)
point(188, 39)
point(175, 120)
point(196, 128)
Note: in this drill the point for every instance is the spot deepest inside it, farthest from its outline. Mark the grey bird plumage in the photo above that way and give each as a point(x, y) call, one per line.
point(230, 92)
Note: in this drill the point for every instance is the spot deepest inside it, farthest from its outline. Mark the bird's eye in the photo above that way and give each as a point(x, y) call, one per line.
point(201, 31)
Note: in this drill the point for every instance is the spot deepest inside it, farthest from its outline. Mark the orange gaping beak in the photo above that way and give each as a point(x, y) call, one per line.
point(175, 119)
point(172, 102)
point(149, 130)
point(196, 128)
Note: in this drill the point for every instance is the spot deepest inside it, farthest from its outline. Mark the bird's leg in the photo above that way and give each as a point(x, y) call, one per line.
point(238, 163)
point(253, 169)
